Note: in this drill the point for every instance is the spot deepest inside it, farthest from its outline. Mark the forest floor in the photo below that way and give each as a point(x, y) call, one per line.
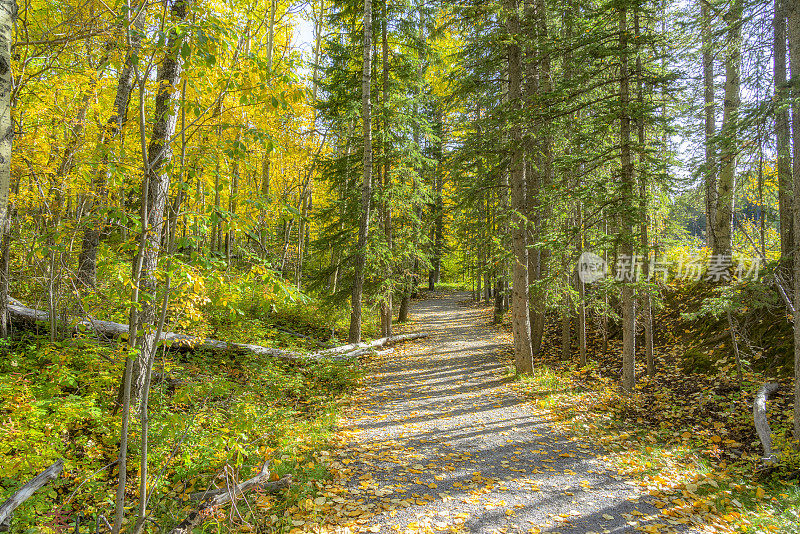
point(437, 440)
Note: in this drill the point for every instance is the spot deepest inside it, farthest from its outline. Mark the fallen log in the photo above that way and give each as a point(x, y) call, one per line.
point(761, 422)
point(363, 352)
point(273, 486)
point(372, 344)
point(25, 493)
point(112, 330)
point(197, 517)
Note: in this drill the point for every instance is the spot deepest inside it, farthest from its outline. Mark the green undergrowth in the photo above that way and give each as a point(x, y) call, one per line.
point(249, 303)
point(213, 415)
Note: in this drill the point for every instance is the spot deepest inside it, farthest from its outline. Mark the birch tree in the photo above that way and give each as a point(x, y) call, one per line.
point(8, 14)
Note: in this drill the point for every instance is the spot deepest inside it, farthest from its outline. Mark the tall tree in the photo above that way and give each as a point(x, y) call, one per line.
point(710, 164)
point(627, 208)
point(793, 17)
point(729, 149)
point(155, 187)
point(540, 161)
point(366, 185)
point(386, 204)
point(784, 159)
point(520, 312)
point(155, 191)
point(8, 15)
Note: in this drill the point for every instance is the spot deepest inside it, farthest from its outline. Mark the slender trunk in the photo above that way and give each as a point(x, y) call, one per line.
point(266, 163)
point(216, 225)
point(366, 186)
point(566, 324)
point(159, 154)
point(581, 320)
point(287, 237)
point(710, 166)
point(386, 206)
point(115, 124)
point(729, 148)
point(627, 228)
point(645, 301)
point(8, 16)
point(784, 160)
point(438, 207)
point(5, 266)
point(793, 12)
point(122, 476)
point(230, 235)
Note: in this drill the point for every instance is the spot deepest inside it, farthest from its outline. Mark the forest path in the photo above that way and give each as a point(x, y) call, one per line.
point(437, 441)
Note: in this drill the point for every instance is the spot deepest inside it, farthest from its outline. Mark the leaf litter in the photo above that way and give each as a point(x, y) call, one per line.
point(437, 441)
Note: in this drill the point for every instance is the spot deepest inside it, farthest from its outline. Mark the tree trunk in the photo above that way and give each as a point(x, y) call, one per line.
point(566, 327)
point(793, 13)
point(266, 163)
point(520, 312)
point(710, 165)
point(5, 271)
point(627, 228)
point(87, 259)
point(435, 275)
point(26, 491)
point(723, 227)
point(159, 154)
point(760, 420)
point(386, 206)
point(8, 16)
point(645, 301)
point(499, 305)
point(540, 154)
point(784, 160)
point(366, 186)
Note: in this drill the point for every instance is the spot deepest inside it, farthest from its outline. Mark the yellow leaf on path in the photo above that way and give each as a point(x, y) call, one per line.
point(760, 492)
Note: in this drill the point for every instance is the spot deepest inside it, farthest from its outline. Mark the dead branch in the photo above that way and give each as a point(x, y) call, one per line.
point(26, 491)
point(761, 422)
point(272, 487)
point(220, 497)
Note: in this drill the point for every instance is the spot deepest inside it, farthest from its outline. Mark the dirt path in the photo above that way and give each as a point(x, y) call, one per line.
point(438, 442)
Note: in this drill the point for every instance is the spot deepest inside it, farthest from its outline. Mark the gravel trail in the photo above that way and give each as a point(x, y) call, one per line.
point(438, 443)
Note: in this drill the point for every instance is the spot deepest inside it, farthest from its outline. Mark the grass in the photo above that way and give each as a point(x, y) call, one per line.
point(219, 414)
